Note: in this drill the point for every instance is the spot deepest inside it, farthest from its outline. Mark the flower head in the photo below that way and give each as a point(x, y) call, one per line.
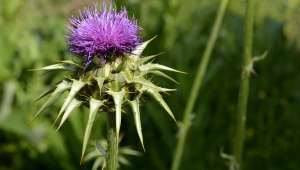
point(102, 34)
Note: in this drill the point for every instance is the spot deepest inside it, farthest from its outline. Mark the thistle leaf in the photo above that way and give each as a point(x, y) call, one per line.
point(100, 81)
point(60, 88)
point(149, 84)
point(140, 48)
point(127, 75)
point(98, 162)
point(159, 73)
point(59, 66)
point(71, 107)
point(103, 166)
point(92, 155)
point(118, 98)
point(94, 107)
point(137, 118)
point(106, 71)
point(76, 86)
point(123, 160)
point(150, 67)
point(46, 93)
point(161, 101)
point(70, 62)
point(145, 59)
point(128, 151)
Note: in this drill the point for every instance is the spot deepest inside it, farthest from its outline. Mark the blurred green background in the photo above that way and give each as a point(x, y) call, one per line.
point(32, 34)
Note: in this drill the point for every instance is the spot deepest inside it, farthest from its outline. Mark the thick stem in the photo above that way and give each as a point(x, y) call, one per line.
point(244, 88)
point(197, 85)
point(112, 142)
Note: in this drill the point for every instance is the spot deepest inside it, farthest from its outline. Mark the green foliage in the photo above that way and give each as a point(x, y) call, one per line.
point(32, 34)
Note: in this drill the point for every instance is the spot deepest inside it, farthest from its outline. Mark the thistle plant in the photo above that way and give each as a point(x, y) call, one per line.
point(110, 73)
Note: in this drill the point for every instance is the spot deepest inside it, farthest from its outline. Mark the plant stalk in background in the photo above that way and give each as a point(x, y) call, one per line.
point(187, 116)
point(245, 83)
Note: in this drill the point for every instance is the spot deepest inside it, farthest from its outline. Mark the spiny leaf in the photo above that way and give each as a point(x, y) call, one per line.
point(140, 48)
point(100, 80)
point(91, 155)
point(70, 62)
point(128, 151)
point(94, 107)
point(118, 98)
point(106, 70)
point(149, 67)
point(145, 59)
point(76, 86)
point(102, 75)
point(149, 84)
point(123, 160)
point(60, 88)
point(71, 107)
point(161, 101)
point(59, 66)
point(159, 73)
point(46, 93)
point(98, 163)
point(137, 118)
point(127, 75)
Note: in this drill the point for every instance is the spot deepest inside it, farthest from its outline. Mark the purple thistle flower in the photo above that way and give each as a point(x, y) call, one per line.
point(102, 34)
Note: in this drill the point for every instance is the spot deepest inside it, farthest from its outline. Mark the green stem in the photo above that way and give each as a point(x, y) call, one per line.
point(112, 142)
point(245, 80)
point(197, 85)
